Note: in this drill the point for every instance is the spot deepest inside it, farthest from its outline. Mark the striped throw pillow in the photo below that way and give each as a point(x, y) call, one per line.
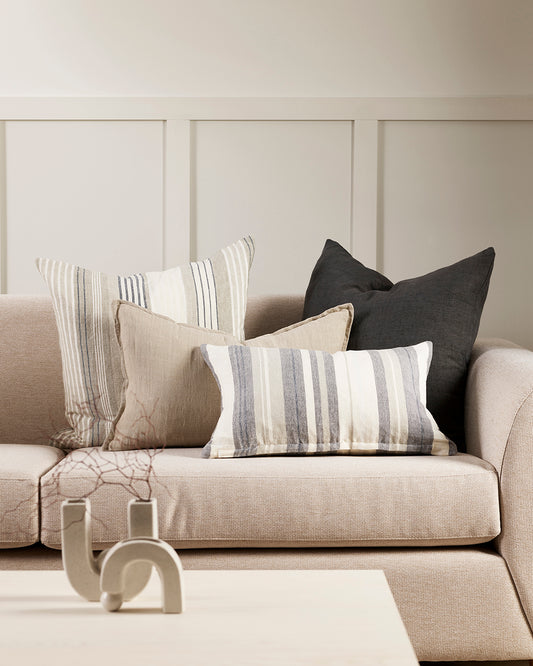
point(210, 293)
point(296, 401)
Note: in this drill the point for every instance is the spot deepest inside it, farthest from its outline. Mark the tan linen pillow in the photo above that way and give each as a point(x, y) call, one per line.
point(170, 396)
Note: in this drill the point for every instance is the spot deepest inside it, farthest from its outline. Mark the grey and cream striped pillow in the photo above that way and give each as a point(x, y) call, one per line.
point(210, 293)
point(296, 401)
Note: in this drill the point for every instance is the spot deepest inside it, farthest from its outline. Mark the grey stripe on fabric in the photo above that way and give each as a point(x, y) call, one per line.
point(145, 297)
point(333, 402)
point(420, 430)
point(294, 400)
point(213, 278)
point(84, 346)
point(131, 289)
point(197, 321)
point(202, 282)
point(318, 402)
point(127, 296)
point(203, 290)
point(209, 294)
point(250, 246)
point(244, 432)
point(382, 398)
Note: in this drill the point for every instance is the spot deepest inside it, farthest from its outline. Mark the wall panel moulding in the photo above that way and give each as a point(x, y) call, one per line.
point(259, 108)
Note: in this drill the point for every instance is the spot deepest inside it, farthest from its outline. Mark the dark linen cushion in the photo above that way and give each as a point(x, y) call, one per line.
point(444, 307)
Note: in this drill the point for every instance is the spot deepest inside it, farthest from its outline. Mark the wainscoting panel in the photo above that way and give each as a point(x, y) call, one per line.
point(407, 184)
point(450, 189)
point(177, 193)
point(3, 211)
point(287, 183)
point(87, 192)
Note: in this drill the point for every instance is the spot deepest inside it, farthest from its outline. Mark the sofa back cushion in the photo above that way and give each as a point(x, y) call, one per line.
point(31, 385)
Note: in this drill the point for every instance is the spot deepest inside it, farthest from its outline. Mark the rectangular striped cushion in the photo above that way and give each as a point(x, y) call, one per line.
point(296, 401)
point(210, 293)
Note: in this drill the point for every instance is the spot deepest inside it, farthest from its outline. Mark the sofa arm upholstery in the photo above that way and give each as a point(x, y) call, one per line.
point(499, 429)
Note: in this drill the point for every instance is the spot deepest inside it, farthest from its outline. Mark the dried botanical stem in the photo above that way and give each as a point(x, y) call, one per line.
point(133, 471)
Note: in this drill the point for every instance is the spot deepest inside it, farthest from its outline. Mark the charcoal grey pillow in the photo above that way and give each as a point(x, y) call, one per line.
point(444, 307)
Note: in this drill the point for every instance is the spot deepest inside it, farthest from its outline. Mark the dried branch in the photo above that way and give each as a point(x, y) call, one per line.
point(132, 471)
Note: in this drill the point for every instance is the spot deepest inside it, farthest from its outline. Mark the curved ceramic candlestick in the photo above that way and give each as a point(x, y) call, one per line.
point(123, 554)
point(81, 567)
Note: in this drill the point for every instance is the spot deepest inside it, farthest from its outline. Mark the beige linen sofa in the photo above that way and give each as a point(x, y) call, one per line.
point(454, 535)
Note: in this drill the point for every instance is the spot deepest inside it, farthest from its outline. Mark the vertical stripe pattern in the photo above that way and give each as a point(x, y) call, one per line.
point(210, 293)
point(133, 289)
point(296, 401)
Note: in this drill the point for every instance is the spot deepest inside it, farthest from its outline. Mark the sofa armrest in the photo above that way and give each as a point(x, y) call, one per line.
point(499, 429)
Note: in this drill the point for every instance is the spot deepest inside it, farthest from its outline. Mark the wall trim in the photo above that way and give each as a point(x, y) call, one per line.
point(364, 230)
point(3, 210)
point(266, 108)
point(176, 193)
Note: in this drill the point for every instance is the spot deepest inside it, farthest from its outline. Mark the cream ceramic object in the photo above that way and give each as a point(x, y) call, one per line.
point(80, 564)
point(118, 560)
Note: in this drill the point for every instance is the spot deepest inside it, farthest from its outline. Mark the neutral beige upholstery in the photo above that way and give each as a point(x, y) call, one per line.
point(285, 501)
point(499, 428)
point(31, 387)
point(20, 469)
point(456, 603)
point(266, 314)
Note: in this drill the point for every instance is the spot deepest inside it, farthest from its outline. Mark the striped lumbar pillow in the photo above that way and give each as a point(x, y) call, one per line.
point(210, 293)
point(295, 401)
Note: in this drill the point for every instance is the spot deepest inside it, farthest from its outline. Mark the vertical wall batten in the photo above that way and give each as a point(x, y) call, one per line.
point(365, 191)
point(3, 210)
point(176, 192)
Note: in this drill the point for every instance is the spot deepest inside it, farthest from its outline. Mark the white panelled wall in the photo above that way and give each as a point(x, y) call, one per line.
point(85, 192)
point(144, 184)
point(288, 183)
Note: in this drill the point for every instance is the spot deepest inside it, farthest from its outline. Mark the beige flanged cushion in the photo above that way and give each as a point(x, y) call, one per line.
point(21, 466)
point(282, 501)
point(170, 395)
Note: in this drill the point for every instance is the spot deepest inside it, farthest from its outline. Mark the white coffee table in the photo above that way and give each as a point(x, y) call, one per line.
point(231, 618)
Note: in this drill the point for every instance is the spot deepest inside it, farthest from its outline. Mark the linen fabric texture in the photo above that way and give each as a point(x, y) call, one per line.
point(210, 293)
point(295, 401)
point(444, 307)
point(21, 469)
point(281, 501)
point(171, 397)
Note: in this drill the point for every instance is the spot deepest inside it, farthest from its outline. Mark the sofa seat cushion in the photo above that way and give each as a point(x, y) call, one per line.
point(281, 501)
point(21, 466)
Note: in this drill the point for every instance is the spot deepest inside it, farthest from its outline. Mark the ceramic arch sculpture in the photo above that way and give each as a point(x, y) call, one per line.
point(81, 567)
point(126, 553)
